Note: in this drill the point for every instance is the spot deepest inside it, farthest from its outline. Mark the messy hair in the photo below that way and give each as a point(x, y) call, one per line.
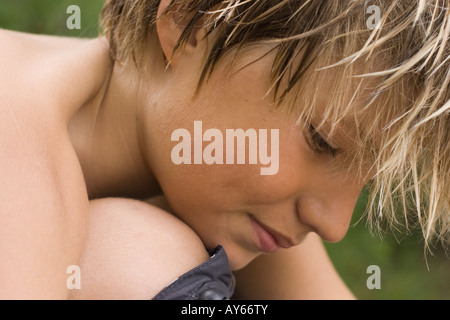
point(404, 55)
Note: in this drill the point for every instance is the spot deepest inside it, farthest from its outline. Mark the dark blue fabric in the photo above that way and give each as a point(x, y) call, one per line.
point(212, 280)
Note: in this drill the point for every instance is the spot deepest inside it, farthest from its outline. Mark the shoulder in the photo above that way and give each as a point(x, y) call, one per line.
point(135, 250)
point(47, 74)
point(26, 58)
point(36, 152)
point(30, 132)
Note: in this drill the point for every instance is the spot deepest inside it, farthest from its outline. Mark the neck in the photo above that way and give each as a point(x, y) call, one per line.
point(107, 138)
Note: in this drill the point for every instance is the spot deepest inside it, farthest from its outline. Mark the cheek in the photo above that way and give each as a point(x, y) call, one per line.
point(298, 171)
point(214, 189)
point(234, 187)
point(225, 188)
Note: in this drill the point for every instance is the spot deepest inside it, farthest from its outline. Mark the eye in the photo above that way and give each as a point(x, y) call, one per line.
point(318, 144)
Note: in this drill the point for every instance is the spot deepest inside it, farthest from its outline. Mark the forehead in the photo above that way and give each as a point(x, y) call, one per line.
point(335, 99)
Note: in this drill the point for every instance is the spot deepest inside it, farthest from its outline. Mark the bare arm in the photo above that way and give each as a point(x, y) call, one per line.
point(41, 230)
point(303, 272)
point(43, 206)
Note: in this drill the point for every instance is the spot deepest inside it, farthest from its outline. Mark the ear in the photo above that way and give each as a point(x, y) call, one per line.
point(170, 27)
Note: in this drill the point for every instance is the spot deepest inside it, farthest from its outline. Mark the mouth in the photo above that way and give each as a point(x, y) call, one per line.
point(267, 239)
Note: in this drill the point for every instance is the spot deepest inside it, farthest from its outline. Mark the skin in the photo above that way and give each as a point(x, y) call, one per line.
point(102, 131)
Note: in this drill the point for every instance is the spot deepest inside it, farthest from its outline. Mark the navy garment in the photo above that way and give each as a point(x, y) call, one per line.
point(212, 280)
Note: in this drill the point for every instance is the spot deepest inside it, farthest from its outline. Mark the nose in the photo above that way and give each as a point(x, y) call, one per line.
point(329, 213)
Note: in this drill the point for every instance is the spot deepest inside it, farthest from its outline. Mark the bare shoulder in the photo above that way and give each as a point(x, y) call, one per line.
point(43, 74)
point(24, 56)
point(135, 250)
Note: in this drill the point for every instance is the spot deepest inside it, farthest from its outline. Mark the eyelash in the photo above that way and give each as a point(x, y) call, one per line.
point(318, 144)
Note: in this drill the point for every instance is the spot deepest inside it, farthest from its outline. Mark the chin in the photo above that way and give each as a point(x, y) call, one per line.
point(239, 253)
point(238, 257)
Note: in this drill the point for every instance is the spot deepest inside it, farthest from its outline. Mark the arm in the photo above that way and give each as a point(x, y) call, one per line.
point(43, 201)
point(303, 272)
point(41, 230)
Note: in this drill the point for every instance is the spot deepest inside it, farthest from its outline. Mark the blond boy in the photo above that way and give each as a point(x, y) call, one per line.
point(87, 132)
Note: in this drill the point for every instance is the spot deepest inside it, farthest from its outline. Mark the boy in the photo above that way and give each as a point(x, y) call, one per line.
point(351, 106)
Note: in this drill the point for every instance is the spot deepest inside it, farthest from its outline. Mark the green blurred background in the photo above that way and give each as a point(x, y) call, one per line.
point(405, 274)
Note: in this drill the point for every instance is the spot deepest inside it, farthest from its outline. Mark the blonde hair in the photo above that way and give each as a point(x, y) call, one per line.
point(405, 58)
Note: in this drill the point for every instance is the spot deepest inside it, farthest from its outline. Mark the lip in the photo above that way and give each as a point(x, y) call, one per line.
point(269, 240)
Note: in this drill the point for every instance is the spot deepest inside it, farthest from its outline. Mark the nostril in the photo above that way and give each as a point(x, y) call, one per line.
point(334, 232)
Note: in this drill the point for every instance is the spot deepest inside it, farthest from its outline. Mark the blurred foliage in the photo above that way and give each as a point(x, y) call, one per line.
point(49, 16)
point(406, 271)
